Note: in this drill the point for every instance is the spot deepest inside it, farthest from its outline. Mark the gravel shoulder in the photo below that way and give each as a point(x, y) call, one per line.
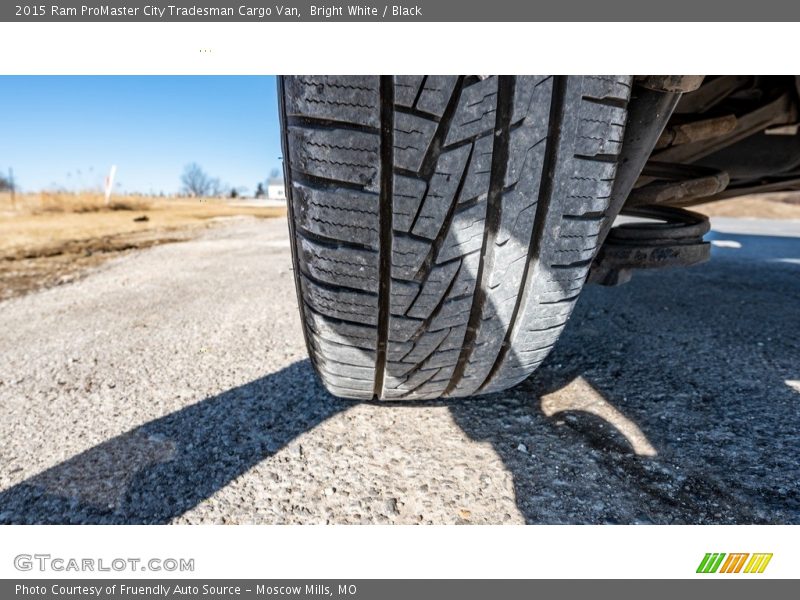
point(171, 385)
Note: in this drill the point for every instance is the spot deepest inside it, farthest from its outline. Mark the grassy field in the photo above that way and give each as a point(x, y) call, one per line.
point(42, 221)
point(47, 239)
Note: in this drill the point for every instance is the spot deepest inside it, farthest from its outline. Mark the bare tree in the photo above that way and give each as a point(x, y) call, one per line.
point(217, 188)
point(196, 182)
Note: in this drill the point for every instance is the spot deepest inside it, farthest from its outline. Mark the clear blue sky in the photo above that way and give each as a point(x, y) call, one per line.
point(66, 131)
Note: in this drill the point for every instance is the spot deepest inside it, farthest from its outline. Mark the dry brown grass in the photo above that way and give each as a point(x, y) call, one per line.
point(782, 205)
point(64, 202)
point(52, 238)
point(43, 220)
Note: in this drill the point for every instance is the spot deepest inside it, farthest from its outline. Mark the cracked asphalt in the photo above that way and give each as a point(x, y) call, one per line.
point(172, 386)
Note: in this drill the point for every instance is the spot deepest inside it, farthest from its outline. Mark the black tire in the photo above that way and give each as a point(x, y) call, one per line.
point(444, 226)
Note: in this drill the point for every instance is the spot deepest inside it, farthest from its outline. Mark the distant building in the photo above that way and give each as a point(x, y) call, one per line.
point(276, 189)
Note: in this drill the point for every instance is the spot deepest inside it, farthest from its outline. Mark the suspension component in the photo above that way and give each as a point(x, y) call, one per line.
point(696, 131)
point(660, 237)
point(675, 184)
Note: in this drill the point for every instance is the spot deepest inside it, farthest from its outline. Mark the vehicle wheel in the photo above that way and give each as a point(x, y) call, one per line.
point(444, 226)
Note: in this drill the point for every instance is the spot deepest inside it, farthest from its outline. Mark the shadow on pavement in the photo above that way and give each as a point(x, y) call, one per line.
point(158, 471)
point(673, 399)
point(704, 361)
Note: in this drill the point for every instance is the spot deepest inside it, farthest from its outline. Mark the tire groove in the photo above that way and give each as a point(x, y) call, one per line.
point(607, 101)
point(334, 287)
point(542, 208)
point(436, 246)
point(335, 320)
point(419, 91)
point(504, 109)
point(331, 242)
point(385, 212)
point(428, 167)
point(424, 325)
point(311, 122)
point(325, 183)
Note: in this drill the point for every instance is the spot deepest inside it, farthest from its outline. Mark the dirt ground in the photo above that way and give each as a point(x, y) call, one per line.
point(48, 240)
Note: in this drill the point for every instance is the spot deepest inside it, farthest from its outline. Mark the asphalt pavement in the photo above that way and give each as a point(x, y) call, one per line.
point(172, 385)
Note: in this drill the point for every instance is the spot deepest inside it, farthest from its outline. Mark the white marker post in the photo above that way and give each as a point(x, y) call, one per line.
point(110, 182)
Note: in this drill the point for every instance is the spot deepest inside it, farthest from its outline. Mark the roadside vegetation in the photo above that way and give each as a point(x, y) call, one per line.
point(51, 238)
